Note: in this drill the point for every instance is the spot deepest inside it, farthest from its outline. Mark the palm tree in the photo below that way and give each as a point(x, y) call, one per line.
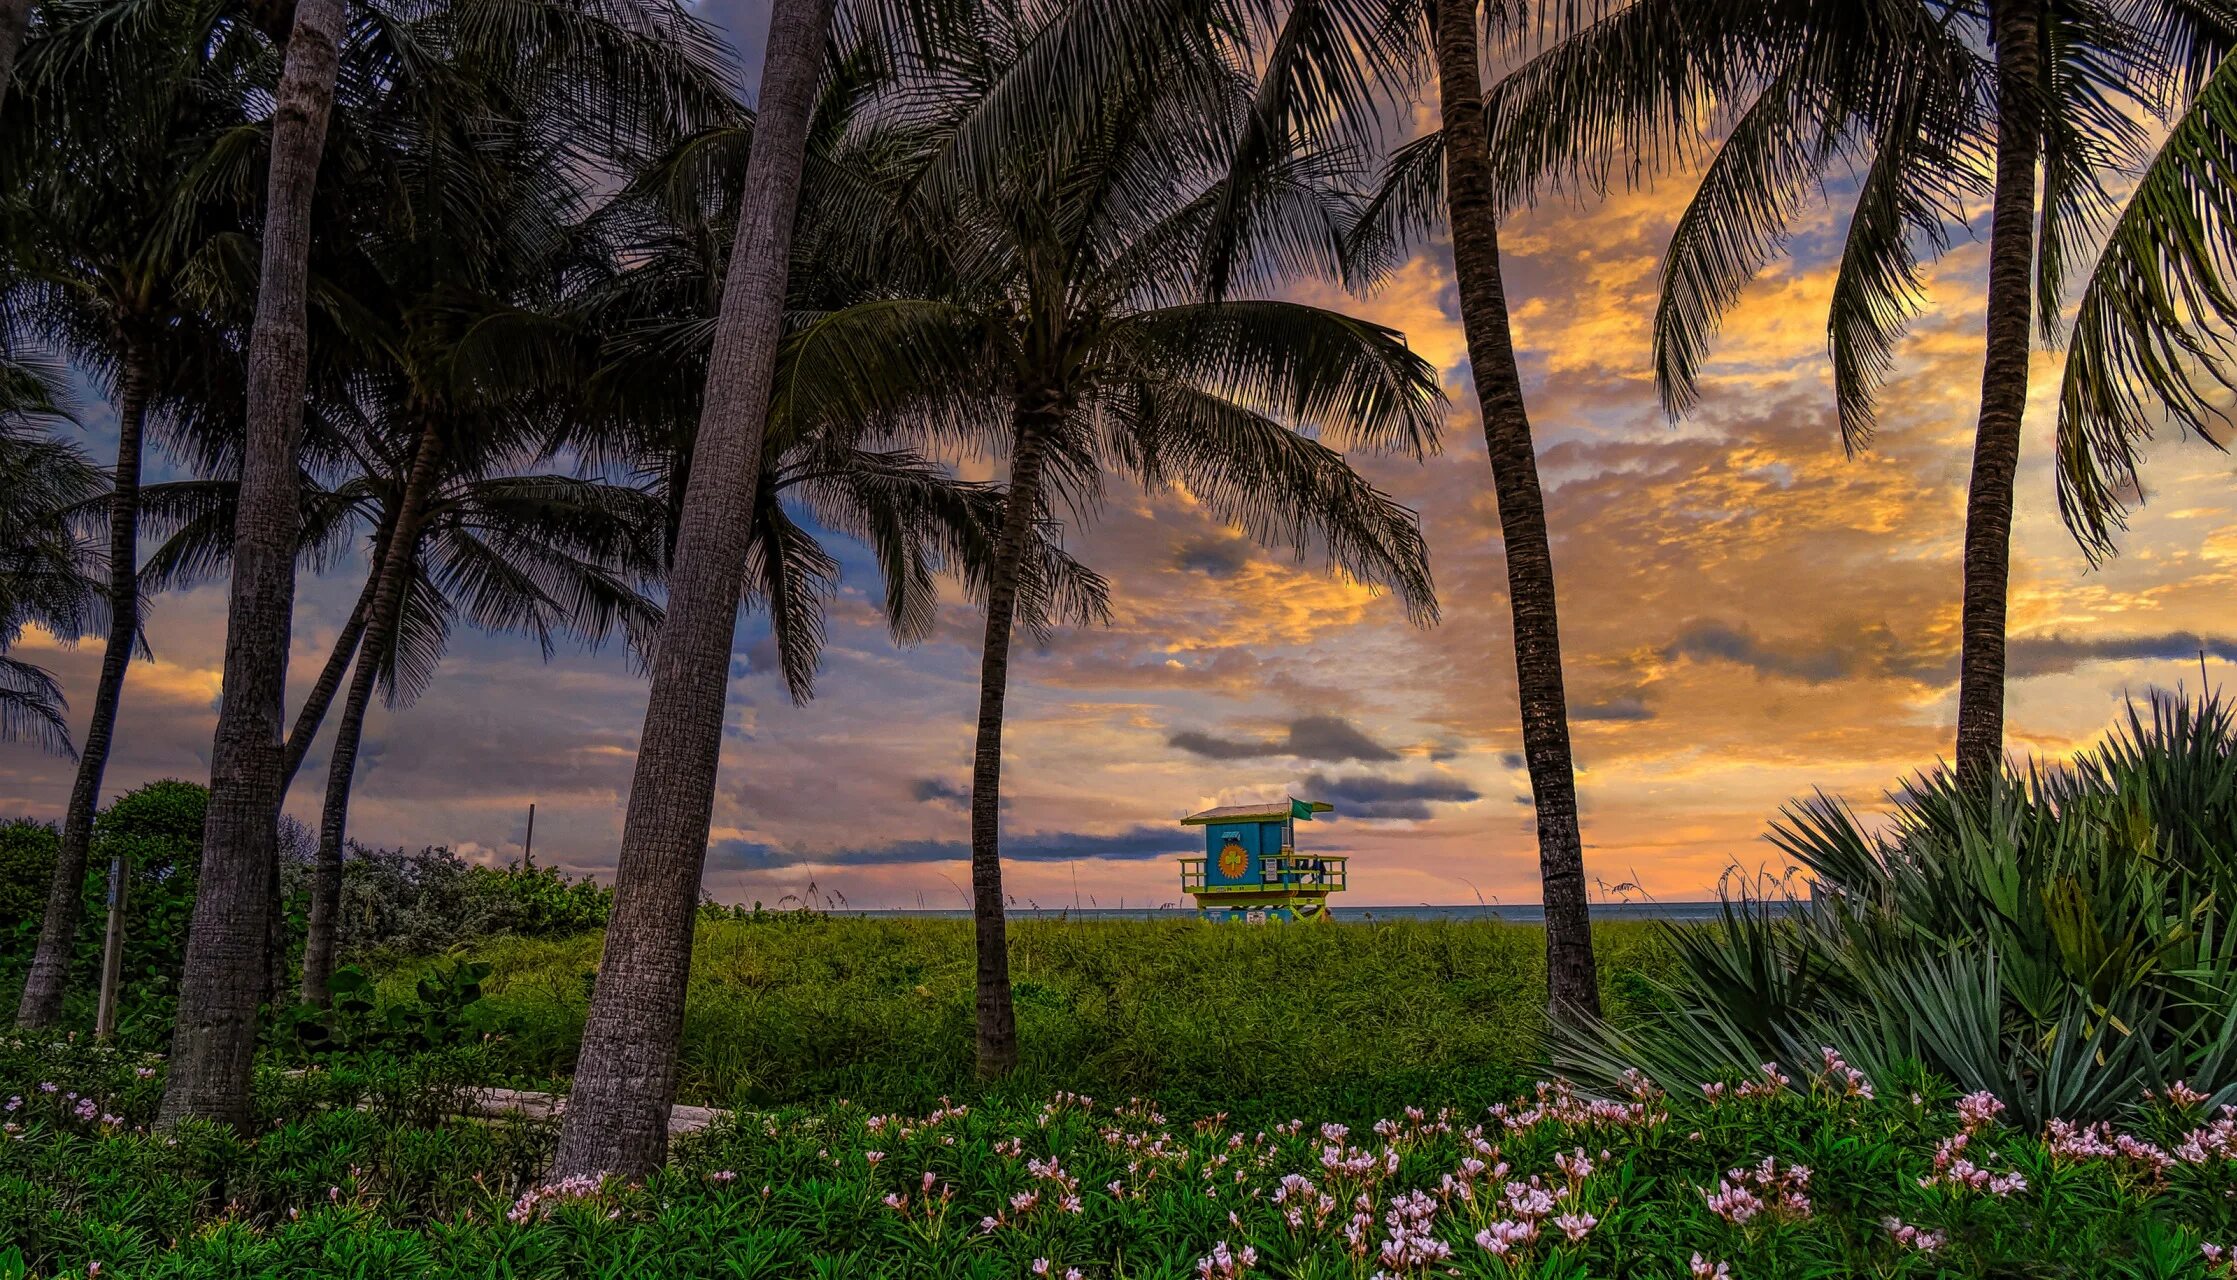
point(214, 1042)
point(622, 71)
point(617, 1120)
point(1058, 295)
point(47, 572)
point(1903, 91)
point(117, 217)
point(1472, 212)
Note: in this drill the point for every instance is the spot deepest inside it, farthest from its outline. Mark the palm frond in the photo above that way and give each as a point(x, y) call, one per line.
point(1277, 486)
point(32, 708)
point(1352, 379)
point(2152, 334)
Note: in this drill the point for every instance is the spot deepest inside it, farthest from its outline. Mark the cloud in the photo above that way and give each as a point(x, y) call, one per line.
point(1628, 707)
point(930, 790)
point(1715, 642)
point(1371, 797)
point(1329, 739)
point(1212, 557)
point(1135, 844)
point(2057, 654)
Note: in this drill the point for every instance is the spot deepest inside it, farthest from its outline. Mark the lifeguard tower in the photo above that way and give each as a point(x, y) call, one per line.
point(1251, 870)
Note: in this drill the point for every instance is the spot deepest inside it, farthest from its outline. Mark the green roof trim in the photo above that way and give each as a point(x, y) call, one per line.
point(1270, 811)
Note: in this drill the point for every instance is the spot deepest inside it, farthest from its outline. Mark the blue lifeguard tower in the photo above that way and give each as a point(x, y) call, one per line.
point(1251, 871)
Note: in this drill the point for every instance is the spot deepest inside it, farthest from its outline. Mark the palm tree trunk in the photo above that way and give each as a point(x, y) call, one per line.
point(58, 932)
point(15, 19)
point(341, 772)
point(314, 708)
point(1996, 441)
point(997, 1019)
point(1572, 980)
point(214, 1044)
point(625, 1076)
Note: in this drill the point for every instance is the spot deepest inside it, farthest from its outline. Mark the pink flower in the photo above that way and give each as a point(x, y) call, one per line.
point(1502, 1236)
point(1576, 1225)
point(1978, 1110)
point(1910, 1237)
point(1704, 1270)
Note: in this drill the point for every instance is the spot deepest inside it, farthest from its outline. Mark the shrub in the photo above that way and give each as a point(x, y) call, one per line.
point(27, 851)
point(398, 904)
point(2062, 942)
point(157, 828)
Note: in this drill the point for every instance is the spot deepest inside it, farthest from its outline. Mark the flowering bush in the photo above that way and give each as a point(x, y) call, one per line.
point(1813, 1173)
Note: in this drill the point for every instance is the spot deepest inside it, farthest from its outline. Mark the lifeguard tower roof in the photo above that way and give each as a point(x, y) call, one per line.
point(1271, 811)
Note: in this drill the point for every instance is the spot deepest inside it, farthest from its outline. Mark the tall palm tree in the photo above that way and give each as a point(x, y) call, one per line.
point(625, 1077)
point(1937, 105)
point(625, 70)
point(214, 1042)
point(48, 572)
point(118, 216)
point(1471, 210)
point(1059, 295)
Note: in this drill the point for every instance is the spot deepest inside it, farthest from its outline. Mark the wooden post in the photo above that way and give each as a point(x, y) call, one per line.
point(528, 842)
point(112, 952)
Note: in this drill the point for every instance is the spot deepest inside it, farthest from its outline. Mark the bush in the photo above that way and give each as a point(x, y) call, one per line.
point(157, 828)
point(2062, 943)
point(27, 852)
point(397, 904)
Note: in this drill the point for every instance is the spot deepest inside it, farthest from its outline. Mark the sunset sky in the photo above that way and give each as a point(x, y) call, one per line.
point(1746, 615)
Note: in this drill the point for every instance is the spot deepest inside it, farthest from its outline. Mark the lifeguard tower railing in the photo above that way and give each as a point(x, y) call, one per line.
point(1290, 872)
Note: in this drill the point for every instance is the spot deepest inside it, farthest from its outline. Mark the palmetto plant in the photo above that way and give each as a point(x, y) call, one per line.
point(49, 575)
point(1934, 106)
point(2061, 942)
point(1056, 291)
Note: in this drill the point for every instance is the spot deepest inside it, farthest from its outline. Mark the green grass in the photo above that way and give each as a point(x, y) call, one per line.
point(1341, 1020)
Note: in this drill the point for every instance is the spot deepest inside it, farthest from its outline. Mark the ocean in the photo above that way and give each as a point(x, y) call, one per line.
point(1509, 913)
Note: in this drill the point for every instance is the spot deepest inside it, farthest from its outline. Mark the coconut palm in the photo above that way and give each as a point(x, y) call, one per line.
point(1936, 104)
point(616, 71)
point(119, 202)
point(214, 1042)
point(1448, 178)
point(625, 1077)
point(1060, 297)
point(49, 575)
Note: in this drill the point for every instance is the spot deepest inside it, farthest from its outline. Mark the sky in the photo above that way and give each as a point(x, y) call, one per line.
point(1746, 615)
